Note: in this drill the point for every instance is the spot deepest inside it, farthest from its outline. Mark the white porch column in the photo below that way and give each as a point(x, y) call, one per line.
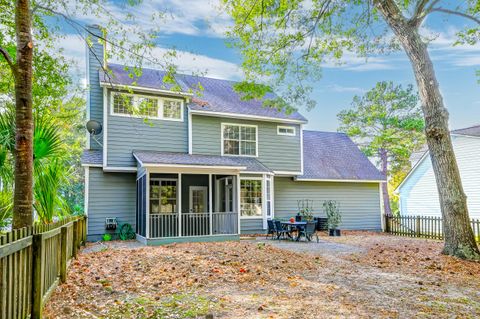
point(264, 201)
point(179, 203)
point(147, 209)
point(210, 202)
point(237, 195)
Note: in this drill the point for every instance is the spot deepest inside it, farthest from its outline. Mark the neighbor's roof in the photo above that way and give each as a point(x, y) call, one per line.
point(470, 131)
point(92, 157)
point(154, 157)
point(217, 95)
point(333, 156)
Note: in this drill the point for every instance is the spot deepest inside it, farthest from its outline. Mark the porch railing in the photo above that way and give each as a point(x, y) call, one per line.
point(193, 224)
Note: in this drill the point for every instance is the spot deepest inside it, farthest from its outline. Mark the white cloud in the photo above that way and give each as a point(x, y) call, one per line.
point(74, 48)
point(189, 63)
point(344, 89)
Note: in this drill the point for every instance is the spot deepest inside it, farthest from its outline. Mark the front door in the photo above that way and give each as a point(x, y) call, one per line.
point(198, 199)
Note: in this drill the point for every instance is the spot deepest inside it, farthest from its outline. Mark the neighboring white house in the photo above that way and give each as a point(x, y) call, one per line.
point(418, 191)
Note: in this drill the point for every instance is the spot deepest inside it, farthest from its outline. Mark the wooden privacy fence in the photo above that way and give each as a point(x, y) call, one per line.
point(422, 226)
point(33, 261)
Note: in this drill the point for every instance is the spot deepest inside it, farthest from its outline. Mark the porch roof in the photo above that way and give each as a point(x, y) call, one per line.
point(245, 164)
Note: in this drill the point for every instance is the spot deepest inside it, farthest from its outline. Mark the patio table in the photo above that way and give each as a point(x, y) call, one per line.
point(297, 225)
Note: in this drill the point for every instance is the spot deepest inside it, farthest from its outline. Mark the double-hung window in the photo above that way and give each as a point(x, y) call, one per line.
point(239, 139)
point(251, 198)
point(147, 106)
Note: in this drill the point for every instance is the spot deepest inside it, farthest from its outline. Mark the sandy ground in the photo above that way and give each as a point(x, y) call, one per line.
point(359, 275)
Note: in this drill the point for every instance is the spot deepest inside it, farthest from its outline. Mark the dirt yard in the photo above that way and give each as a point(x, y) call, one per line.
point(359, 275)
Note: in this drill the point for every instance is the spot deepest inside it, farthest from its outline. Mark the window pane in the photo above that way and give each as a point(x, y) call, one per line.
point(248, 148)
point(148, 107)
point(172, 109)
point(250, 198)
point(231, 132)
point(231, 147)
point(248, 133)
point(122, 103)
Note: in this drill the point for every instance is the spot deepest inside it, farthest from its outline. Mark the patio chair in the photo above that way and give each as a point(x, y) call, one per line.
point(280, 230)
point(271, 229)
point(308, 231)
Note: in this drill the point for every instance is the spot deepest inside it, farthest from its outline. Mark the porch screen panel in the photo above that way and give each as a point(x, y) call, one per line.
point(141, 206)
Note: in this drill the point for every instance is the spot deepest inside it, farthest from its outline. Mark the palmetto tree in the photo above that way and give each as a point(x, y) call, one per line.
point(50, 173)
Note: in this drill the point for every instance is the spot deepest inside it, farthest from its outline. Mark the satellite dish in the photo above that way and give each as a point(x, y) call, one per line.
point(94, 127)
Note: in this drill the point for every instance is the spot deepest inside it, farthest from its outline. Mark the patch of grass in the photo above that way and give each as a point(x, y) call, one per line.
point(178, 306)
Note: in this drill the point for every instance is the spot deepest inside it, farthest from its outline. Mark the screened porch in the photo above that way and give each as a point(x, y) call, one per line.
point(187, 205)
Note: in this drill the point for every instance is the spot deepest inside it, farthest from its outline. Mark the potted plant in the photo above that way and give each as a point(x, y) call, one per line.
point(334, 218)
point(305, 210)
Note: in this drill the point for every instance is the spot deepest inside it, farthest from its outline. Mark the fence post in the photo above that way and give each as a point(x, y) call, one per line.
point(387, 223)
point(38, 274)
point(417, 226)
point(63, 254)
point(75, 239)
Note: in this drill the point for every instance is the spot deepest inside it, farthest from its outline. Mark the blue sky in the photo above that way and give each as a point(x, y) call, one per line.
point(196, 30)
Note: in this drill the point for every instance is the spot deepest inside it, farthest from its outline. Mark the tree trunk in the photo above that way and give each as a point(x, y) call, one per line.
point(386, 197)
point(23, 196)
point(459, 238)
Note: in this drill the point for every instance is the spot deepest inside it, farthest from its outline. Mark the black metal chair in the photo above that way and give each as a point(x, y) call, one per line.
point(308, 231)
point(271, 229)
point(280, 230)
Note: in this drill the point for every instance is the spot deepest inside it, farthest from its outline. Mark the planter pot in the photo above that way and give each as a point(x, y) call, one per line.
point(334, 232)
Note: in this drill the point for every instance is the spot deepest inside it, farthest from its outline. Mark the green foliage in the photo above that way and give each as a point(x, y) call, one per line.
point(48, 182)
point(6, 205)
point(305, 209)
point(107, 237)
point(126, 232)
point(332, 210)
point(51, 169)
point(387, 119)
point(285, 43)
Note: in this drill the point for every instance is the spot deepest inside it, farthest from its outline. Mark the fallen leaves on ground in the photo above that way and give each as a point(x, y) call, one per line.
point(394, 277)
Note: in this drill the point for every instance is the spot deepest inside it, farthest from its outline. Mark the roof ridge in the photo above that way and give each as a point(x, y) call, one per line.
point(466, 128)
point(179, 74)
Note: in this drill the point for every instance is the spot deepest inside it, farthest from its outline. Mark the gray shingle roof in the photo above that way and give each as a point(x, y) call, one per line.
point(471, 131)
point(217, 95)
point(153, 157)
point(329, 155)
point(92, 157)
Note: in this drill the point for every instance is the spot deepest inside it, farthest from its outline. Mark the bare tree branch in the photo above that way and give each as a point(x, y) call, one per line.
point(457, 13)
point(8, 58)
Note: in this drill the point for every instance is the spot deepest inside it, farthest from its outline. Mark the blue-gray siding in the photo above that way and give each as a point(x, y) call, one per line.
point(359, 202)
point(95, 60)
point(110, 195)
point(126, 134)
point(277, 152)
point(251, 226)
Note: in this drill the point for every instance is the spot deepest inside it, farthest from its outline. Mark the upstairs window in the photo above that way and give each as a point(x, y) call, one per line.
point(122, 103)
point(286, 130)
point(172, 109)
point(146, 106)
point(239, 140)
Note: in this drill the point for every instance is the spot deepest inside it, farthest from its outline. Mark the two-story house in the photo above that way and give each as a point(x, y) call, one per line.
point(180, 166)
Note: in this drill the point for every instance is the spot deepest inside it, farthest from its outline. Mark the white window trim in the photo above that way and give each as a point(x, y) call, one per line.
point(160, 180)
point(279, 127)
point(239, 125)
point(160, 101)
point(263, 198)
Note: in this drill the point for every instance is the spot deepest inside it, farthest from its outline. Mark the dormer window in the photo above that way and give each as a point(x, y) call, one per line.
point(239, 140)
point(135, 105)
point(286, 130)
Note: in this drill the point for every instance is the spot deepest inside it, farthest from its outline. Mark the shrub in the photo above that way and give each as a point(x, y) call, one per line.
point(106, 237)
point(332, 211)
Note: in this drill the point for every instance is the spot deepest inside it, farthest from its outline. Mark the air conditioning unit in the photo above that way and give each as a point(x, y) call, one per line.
point(111, 223)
